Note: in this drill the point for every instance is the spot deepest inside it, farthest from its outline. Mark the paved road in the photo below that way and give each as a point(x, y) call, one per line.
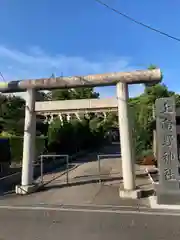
point(80, 225)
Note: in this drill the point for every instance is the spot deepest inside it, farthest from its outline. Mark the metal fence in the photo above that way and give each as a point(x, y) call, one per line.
point(51, 167)
point(99, 157)
point(48, 167)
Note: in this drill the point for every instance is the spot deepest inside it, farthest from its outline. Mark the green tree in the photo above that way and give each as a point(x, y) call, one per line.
point(42, 96)
point(12, 107)
point(142, 109)
point(79, 93)
point(11, 113)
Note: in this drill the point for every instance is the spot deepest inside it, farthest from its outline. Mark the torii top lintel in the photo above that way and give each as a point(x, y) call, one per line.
point(142, 76)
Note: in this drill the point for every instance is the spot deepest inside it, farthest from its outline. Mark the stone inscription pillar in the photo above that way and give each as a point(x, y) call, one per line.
point(168, 191)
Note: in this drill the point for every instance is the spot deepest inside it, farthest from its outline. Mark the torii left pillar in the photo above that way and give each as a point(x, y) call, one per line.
point(27, 185)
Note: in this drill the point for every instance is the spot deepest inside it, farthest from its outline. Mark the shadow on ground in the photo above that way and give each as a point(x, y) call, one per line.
point(106, 150)
point(147, 193)
point(78, 183)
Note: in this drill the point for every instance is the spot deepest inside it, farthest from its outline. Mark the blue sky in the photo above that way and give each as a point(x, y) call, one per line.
point(41, 37)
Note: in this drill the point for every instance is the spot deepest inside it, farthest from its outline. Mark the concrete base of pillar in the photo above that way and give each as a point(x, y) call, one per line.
point(155, 205)
point(23, 190)
point(130, 194)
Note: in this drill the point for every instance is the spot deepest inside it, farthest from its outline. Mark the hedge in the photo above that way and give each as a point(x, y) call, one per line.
point(74, 136)
point(16, 144)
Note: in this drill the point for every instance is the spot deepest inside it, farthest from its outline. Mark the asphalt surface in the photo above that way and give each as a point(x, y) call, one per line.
point(77, 225)
point(37, 221)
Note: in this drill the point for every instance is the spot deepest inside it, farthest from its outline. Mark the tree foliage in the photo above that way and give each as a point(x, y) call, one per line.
point(67, 94)
point(142, 108)
point(12, 114)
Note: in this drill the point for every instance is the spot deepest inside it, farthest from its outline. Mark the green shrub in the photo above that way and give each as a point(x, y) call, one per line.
point(74, 136)
point(16, 144)
point(147, 153)
point(54, 131)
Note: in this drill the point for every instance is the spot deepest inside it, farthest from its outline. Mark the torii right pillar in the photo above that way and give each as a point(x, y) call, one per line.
point(129, 189)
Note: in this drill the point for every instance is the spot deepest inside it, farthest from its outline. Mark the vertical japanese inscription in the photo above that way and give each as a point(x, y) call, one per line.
point(167, 140)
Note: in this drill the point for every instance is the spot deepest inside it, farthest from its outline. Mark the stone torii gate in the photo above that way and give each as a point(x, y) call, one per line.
point(120, 79)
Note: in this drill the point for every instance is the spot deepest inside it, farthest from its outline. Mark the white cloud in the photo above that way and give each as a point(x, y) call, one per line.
point(36, 63)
